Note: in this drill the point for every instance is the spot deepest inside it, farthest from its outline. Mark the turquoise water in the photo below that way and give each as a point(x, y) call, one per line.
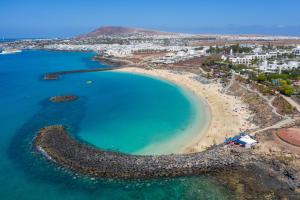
point(131, 113)
point(118, 111)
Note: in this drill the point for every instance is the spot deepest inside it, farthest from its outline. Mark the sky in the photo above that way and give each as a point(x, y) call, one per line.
point(67, 18)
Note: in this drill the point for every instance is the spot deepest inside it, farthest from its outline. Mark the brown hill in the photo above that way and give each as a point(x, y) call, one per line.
point(116, 30)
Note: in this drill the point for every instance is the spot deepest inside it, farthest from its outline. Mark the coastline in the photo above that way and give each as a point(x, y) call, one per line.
point(229, 115)
point(55, 143)
point(198, 125)
point(226, 168)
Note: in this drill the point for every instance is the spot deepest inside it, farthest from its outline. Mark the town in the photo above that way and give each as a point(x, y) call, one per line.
point(150, 100)
point(270, 60)
point(249, 83)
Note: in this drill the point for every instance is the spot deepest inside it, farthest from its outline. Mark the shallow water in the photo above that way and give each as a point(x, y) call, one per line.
point(118, 111)
point(131, 113)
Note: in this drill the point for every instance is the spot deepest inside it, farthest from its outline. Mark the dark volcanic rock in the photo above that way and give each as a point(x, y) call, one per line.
point(251, 176)
point(65, 98)
point(61, 147)
point(56, 75)
point(53, 76)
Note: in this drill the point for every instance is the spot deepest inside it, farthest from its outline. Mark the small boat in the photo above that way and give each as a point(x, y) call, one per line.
point(89, 82)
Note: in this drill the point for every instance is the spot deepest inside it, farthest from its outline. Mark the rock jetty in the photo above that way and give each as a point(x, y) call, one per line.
point(56, 75)
point(274, 177)
point(65, 150)
point(65, 98)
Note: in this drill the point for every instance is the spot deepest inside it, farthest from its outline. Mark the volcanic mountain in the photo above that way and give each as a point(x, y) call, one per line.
point(119, 31)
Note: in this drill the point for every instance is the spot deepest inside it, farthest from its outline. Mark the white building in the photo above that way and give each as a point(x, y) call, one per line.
point(275, 67)
point(182, 55)
point(296, 51)
point(246, 59)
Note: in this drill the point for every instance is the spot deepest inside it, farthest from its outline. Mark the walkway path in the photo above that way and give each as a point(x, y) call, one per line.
point(292, 102)
point(268, 100)
point(232, 81)
point(280, 124)
point(286, 120)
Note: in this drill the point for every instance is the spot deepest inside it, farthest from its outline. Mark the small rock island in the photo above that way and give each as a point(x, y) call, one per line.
point(65, 98)
point(52, 76)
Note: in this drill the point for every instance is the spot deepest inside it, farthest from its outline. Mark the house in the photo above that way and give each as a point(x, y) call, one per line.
point(275, 67)
point(247, 59)
point(296, 83)
point(296, 51)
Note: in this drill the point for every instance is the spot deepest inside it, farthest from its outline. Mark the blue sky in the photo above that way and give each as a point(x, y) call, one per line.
point(64, 18)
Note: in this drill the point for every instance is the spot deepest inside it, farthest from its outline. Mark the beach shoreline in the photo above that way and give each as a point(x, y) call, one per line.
point(228, 114)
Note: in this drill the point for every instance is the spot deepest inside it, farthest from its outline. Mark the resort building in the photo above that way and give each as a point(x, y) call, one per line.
point(175, 57)
point(246, 59)
point(275, 67)
point(296, 51)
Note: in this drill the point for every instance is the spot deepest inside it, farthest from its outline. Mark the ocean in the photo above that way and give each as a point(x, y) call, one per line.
point(118, 111)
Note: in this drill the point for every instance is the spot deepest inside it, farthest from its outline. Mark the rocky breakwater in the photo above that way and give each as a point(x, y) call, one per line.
point(65, 98)
point(65, 150)
point(251, 175)
point(56, 75)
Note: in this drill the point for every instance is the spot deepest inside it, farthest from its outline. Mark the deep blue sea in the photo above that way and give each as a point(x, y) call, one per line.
point(119, 111)
point(8, 40)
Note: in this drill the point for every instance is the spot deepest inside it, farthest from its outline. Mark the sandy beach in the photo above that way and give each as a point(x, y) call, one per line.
point(229, 115)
